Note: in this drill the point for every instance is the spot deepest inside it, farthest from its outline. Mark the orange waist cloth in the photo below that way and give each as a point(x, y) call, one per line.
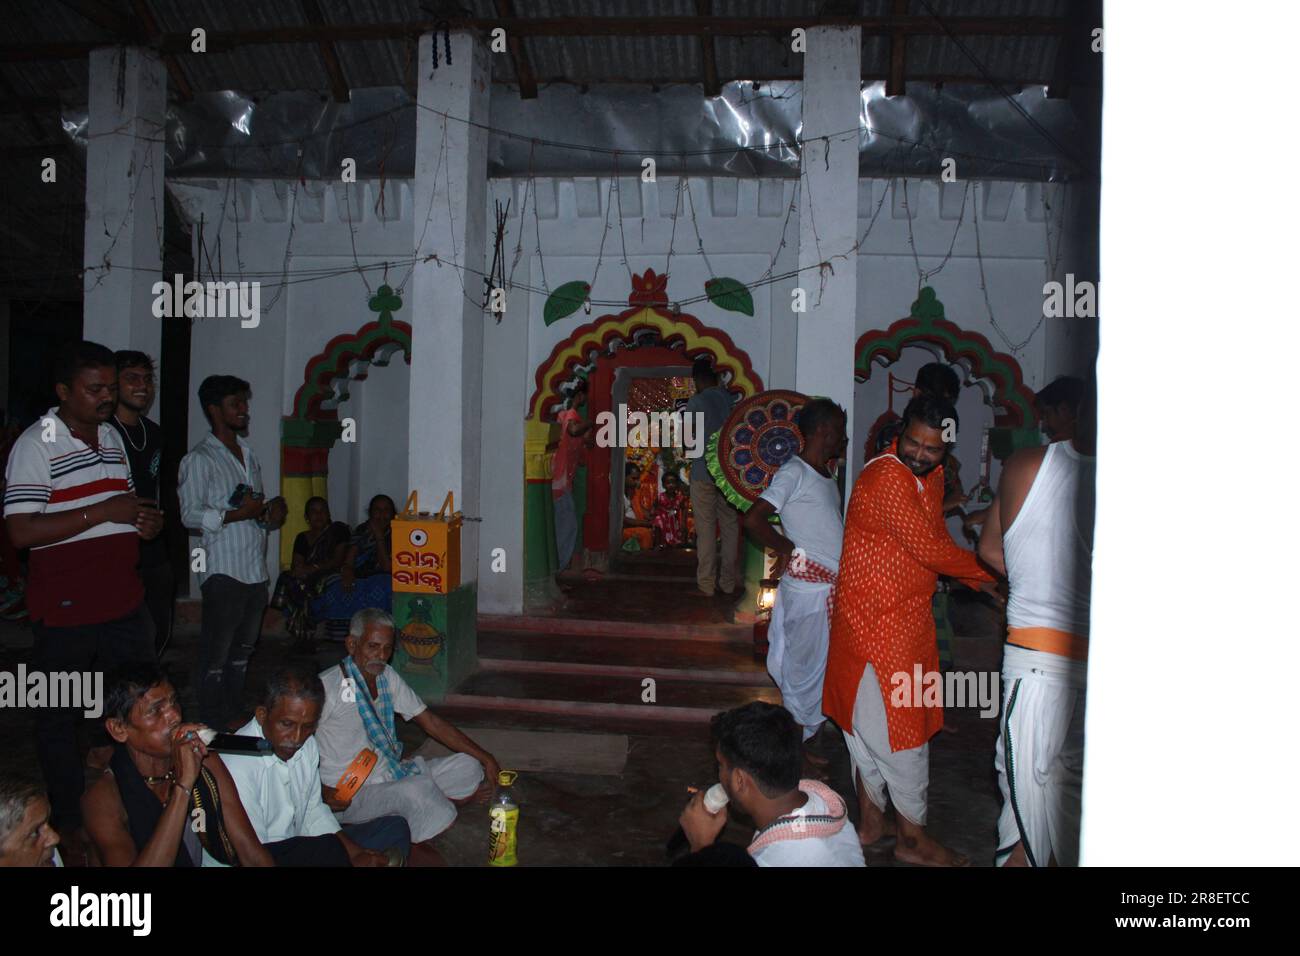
point(895, 546)
point(1050, 640)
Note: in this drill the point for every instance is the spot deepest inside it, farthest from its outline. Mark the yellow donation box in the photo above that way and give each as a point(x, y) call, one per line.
point(426, 548)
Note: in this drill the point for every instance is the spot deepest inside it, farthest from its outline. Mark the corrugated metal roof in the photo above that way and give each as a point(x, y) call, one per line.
point(590, 59)
point(1028, 59)
point(38, 215)
point(992, 8)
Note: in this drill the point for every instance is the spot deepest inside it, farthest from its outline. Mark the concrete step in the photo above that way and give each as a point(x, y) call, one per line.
point(703, 658)
point(598, 697)
point(622, 689)
point(575, 626)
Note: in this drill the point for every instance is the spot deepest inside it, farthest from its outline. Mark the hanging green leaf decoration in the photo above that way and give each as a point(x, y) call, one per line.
point(729, 294)
point(565, 300)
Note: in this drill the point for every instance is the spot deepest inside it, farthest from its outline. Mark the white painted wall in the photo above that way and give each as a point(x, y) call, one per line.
point(271, 228)
point(376, 462)
point(1013, 247)
point(740, 222)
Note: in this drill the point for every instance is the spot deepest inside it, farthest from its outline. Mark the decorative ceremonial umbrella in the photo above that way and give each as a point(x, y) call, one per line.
point(757, 438)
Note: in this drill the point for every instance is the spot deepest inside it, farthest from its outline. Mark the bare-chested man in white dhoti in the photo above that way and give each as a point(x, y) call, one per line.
point(1039, 533)
point(806, 496)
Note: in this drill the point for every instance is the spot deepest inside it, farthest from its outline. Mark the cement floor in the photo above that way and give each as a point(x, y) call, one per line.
point(577, 820)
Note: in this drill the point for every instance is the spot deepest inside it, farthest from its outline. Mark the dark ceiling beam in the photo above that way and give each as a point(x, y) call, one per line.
point(338, 81)
point(896, 81)
point(106, 18)
point(708, 52)
point(518, 54)
point(180, 83)
point(516, 27)
point(933, 78)
point(140, 31)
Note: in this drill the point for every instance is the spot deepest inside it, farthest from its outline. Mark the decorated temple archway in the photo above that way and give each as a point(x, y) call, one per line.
point(998, 374)
point(648, 334)
point(310, 431)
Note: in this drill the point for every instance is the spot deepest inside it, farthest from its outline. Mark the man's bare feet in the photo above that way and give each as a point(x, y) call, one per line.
point(918, 848)
point(873, 825)
point(882, 829)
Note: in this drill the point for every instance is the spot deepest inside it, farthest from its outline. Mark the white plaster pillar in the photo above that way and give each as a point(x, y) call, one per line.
point(444, 435)
point(124, 199)
point(828, 216)
point(506, 386)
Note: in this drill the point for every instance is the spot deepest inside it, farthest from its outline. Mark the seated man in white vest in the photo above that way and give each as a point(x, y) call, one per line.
point(281, 790)
point(362, 696)
point(800, 822)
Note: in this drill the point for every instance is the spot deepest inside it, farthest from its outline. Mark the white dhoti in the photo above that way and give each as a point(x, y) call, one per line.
point(422, 799)
point(1039, 756)
point(798, 637)
point(902, 776)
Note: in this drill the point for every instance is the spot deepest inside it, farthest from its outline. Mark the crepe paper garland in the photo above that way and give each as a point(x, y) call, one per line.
point(565, 301)
point(758, 437)
point(729, 294)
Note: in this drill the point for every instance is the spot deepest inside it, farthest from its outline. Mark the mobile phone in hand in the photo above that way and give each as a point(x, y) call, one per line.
point(240, 494)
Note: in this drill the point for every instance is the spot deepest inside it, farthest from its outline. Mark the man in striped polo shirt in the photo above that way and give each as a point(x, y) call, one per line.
point(221, 496)
point(69, 497)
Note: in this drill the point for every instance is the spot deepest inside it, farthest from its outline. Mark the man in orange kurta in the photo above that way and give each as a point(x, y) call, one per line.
point(895, 547)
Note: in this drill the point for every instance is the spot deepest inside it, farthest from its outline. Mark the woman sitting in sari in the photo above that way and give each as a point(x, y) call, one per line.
point(365, 579)
point(318, 553)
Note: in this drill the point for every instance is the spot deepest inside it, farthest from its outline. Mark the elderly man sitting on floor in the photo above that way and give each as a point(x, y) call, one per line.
point(362, 695)
point(281, 791)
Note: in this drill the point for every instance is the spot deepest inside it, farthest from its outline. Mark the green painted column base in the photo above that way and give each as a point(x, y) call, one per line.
point(437, 640)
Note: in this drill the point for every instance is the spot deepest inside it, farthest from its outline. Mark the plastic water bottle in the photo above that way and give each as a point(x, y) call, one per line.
point(504, 815)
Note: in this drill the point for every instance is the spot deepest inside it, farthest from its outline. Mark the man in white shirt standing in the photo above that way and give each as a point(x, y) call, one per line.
point(281, 791)
point(363, 697)
point(805, 494)
point(221, 494)
point(800, 822)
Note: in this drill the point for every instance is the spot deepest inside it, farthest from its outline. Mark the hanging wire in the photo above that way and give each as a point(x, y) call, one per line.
point(1014, 348)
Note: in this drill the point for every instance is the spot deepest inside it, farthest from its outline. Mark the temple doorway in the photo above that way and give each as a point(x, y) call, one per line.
point(652, 530)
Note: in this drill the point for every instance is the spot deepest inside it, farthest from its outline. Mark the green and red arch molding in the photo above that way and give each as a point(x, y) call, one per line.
point(310, 431)
point(1012, 400)
point(647, 334)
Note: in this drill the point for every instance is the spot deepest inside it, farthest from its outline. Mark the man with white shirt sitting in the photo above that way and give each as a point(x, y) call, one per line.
point(800, 822)
point(363, 695)
point(281, 791)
